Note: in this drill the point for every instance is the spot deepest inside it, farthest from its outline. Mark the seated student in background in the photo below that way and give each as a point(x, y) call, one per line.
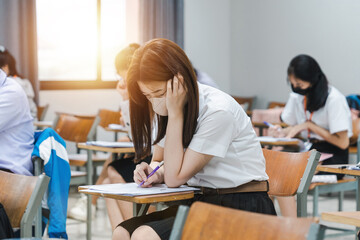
point(317, 112)
point(16, 128)
point(121, 170)
point(8, 65)
point(203, 136)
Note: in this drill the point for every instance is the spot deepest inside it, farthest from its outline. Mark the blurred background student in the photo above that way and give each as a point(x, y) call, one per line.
point(317, 112)
point(8, 65)
point(120, 170)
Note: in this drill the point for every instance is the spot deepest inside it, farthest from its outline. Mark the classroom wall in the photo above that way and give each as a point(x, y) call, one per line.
point(265, 35)
point(207, 36)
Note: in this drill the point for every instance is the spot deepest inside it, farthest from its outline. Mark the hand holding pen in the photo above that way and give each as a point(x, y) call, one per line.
point(141, 175)
point(274, 130)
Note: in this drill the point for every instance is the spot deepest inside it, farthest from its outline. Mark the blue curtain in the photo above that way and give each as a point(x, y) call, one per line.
point(162, 19)
point(18, 35)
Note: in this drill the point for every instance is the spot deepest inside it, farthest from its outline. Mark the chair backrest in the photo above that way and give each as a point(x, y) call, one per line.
point(276, 105)
point(244, 100)
point(207, 221)
point(76, 128)
point(108, 117)
point(291, 173)
point(21, 196)
point(41, 112)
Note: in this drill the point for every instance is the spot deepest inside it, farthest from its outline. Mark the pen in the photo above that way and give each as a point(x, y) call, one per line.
point(152, 173)
point(269, 124)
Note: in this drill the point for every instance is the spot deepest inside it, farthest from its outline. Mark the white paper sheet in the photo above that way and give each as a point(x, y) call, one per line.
point(132, 189)
point(111, 144)
point(116, 126)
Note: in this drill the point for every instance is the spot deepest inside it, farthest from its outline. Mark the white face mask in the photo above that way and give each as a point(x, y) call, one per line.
point(159, 105)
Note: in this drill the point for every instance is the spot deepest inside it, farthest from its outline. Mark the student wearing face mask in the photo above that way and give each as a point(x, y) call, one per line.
point(317, 112)
point(203, 136)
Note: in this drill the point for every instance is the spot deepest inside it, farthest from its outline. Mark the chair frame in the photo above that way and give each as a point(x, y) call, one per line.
point(333, 188)
point(33, 209)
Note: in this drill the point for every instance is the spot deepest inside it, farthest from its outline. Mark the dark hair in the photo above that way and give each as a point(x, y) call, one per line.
point(307, 69)
point(123, 58)
point(159, 60)
point(7, 59)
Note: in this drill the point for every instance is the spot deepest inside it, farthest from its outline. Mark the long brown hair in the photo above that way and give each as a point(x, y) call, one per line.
point(159, 60)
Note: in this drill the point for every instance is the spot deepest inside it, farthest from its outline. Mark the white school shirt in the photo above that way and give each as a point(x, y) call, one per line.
point(16, 128)
point(335, 116)
point(225, 132)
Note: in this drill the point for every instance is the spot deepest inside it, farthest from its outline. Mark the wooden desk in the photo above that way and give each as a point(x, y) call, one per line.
point(116, 131)
point(262, 125)
point(43, 124)
point(354, 173)
point(349, 218)
point(141, 203)
point(89, 169)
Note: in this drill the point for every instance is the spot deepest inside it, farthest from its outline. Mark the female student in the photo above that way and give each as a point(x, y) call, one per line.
point(8, 65)
point(317, 112)
point(203, 136)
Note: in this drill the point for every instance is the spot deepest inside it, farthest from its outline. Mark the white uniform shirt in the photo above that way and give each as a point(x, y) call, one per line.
point(225, 132)
point(335, 116)
point(16, 128)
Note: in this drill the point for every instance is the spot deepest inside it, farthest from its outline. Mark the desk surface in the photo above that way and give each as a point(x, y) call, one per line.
point(350, 218)
point(105, 149)
point(115, 130)
point(263, 125)
point(167, 197)
point(43, 123)
point(335, 169)
point(280, 143)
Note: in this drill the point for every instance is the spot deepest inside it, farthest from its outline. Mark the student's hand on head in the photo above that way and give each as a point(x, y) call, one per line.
point(175, 95)
point(276, 131)
point(121, 88)
point(141, 172)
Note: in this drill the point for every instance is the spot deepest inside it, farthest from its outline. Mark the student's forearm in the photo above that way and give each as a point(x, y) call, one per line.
point(174, 151)
point(341, 141)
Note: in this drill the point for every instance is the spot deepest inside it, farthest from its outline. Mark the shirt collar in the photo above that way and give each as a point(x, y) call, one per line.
point(2, 77)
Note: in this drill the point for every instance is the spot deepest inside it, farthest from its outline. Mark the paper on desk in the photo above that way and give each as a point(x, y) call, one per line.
point(111, 144)
point(325, 156)
point(116, 126)
point(132, 189)
point(302, 146)
point(331, 178)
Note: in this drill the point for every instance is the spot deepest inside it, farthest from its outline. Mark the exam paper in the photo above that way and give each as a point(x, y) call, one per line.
point(116, 126)
point(132, 189)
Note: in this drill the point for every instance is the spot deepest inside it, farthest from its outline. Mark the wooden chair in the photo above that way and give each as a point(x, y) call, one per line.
point(207, 221)
point(21, 196)
point(276, 105)
point(76, 128)
point(245, 100)
point(339, 187)
point(41, 112)
point(291, 173)
point(108, 117)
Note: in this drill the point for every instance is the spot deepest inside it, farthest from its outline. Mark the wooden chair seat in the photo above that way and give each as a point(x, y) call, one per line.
point(349, 218)
point(81, 159)
point(313, 185)
point(207, 221)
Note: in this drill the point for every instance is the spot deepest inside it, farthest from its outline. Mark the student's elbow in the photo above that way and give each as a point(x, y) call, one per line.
point(173, 182)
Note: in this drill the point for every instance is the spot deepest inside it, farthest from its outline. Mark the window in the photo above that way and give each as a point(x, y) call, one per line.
point(79, 39)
